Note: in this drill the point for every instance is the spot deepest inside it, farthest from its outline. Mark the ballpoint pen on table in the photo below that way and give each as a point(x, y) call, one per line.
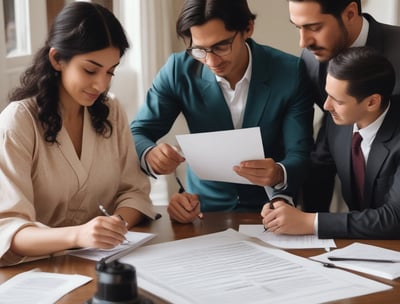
point(331, 258)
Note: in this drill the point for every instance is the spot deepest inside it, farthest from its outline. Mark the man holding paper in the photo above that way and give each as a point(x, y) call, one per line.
point(226, 81)
point(359, 85)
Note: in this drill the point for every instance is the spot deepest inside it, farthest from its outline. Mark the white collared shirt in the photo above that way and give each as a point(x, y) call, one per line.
point(363, 36)
point(368, 134)
point(236, 98)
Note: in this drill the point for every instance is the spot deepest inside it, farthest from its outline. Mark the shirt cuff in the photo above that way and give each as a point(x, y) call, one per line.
point(145, 165)
point(282, 185)
point(316, 224)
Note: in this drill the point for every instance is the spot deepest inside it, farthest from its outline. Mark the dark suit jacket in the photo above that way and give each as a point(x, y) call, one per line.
point(384, 38)
point(381, 219)
point(278, 101)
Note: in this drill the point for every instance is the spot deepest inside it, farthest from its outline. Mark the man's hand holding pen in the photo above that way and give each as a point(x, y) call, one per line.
point(283, 218)
point(184, 207)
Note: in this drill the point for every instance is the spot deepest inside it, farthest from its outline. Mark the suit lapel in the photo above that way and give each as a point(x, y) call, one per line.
point(345, 163)
point(379, 150)
point(213, 98)
point(259, 89)
point(375, 35)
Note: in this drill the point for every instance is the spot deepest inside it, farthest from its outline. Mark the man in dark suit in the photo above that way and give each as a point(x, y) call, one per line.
point(327, 27)
point(224, 81)
point(359, 84)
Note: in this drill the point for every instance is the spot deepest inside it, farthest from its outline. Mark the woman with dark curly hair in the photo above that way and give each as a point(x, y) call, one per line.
point(65, 145)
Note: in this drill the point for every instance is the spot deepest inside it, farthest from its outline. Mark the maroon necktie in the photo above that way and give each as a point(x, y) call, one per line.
point(358, 167)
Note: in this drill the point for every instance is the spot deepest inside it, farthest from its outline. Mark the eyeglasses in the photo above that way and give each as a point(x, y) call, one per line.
point(220, 49)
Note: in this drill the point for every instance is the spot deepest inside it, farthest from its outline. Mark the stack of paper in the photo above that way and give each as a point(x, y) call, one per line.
point(286, 241)
point(354, 254)
point(225, 268)
point(39, 287)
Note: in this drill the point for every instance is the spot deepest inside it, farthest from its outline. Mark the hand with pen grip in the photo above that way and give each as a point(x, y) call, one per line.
point(184, 207)
point(286, 219)
point(104, 232)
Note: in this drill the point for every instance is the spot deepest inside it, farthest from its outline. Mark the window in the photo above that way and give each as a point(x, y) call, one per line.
point(16, 27)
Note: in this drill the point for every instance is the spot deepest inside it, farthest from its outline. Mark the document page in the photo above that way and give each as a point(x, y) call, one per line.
point(385, 269)
point(286, 241)
point(223, 268)
point(134, 240)
point(212, 155)
point(39, 287)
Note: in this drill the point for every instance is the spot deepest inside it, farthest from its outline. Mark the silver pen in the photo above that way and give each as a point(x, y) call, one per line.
point(105, 212)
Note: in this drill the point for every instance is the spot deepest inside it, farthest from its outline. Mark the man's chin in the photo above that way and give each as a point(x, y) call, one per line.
point(321, 56)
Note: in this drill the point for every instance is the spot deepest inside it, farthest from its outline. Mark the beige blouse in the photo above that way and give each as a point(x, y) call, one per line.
point(47, 184)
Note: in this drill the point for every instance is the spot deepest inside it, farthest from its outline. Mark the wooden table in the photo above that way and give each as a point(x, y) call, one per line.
point(168, 231)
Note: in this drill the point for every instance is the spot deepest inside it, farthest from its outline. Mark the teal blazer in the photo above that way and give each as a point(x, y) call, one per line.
point(278, 102)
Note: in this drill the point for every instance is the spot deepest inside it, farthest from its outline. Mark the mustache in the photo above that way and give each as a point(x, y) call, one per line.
point(314, 48)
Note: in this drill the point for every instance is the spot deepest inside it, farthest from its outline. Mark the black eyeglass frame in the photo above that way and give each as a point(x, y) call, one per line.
point(212, 49)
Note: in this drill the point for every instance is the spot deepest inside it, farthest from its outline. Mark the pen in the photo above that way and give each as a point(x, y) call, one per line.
point(105, 212)
point(271, 206)
point(363, 260)
point(181, 188)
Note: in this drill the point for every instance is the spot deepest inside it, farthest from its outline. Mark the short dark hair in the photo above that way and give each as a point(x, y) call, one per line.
point(333, 7)
point(367, 72)
point(235, 14)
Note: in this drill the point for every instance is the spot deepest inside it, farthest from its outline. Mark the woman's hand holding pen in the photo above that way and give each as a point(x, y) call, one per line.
point(103, 232)
point(286, 219)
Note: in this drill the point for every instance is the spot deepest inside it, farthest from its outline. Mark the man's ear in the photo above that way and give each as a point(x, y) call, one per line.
point(53, 59)
point(350, 13)
point(374, 102)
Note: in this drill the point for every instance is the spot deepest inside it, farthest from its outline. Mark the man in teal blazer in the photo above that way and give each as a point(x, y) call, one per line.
point(226, 81)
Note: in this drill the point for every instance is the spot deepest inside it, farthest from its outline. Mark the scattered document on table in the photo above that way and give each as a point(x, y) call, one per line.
point(39, 287)
point(225, 267)
point(286, 241)
point(136, 239)
point(357, 250)
point(212, 155)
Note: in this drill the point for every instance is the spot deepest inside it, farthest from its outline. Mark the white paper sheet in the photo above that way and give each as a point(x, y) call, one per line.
point(39, 287)
point(212, 155)
point(225, 268)
point(135, 239)
point(389, 271)
point(286, 241)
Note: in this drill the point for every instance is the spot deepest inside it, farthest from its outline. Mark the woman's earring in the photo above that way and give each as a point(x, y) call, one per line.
point(56, 74)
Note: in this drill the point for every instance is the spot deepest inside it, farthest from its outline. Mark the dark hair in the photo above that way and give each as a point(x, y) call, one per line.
point(81, 27)
point(235, 14)
point(367, 72)
point(333, 7)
